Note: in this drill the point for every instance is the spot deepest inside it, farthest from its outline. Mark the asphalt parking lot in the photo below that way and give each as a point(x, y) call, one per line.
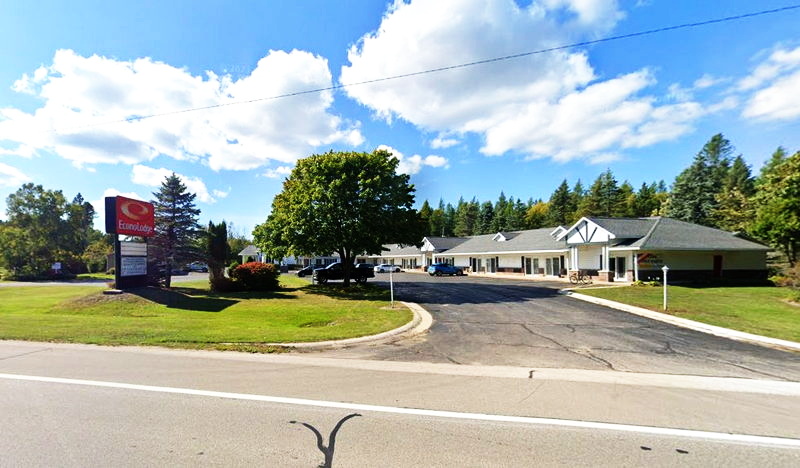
point(487, 321)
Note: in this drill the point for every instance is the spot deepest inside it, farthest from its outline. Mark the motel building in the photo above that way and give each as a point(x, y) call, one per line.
point(606, 249)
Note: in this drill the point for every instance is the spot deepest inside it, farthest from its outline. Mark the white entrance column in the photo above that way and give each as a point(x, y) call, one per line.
point(573, 257)
point(635, 266)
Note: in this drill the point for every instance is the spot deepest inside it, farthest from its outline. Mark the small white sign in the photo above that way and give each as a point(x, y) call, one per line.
point(133, 266)
point(133, 249)
point(57, 266)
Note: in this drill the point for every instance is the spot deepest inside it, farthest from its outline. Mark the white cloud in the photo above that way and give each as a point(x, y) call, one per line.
point(543, 105)
point(774, 87)
point(707, 81)
point(604, 158)
point(413, 164)
point(80, 92)
point(221, 193)
point(11, 176)
point(151, 177)
point(278, 172)
point(778, 63)
point(442, 142)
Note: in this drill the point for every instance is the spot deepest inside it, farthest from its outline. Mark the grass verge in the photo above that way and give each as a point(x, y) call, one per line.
point(761, 310)
point(189, 316)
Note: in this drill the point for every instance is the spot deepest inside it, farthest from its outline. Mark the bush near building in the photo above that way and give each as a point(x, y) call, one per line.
point(256, 276)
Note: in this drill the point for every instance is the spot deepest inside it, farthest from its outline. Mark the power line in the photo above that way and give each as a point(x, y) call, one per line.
point(454, 67)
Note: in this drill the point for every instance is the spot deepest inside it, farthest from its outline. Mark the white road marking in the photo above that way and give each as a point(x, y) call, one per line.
point(662, 431)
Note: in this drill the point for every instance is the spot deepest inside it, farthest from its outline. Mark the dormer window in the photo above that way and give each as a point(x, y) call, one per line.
point(499, 237)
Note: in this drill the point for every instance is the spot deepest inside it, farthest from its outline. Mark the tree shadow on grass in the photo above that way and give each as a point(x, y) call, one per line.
point(179, 298)
point(354, 292)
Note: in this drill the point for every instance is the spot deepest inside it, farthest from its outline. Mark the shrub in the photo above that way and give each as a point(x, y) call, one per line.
point(234, 264)
point(256, 276)
point(223, 284)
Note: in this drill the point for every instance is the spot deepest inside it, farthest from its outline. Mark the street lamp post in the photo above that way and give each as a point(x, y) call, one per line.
point(665, 269)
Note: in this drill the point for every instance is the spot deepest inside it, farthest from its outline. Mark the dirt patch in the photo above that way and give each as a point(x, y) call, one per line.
point(99, 298)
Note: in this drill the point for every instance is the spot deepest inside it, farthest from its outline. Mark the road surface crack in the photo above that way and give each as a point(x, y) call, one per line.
point(583, 352)
point(24, 354)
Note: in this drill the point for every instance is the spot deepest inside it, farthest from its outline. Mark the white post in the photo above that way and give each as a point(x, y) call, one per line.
point(665, 269)
point(391, 287)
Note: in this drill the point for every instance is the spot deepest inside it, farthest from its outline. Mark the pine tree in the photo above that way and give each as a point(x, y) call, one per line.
point(437, 220)
point(449, 220)
point(694, 193)
point(645, 203)
point(576, 201)
point(604, 198)
point(425, 214)
point(499, 223)
point(626, 201)
point(177, 232)
point(734, 211)
point(561, 205)
point(486, 218)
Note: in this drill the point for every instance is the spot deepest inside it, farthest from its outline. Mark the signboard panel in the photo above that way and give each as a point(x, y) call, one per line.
point(650, 261)
point(129, 217)
point(133, 249)
point(133, 266)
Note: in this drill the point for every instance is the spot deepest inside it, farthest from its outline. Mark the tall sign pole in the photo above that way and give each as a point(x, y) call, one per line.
point(129, 217)
point(665, 269)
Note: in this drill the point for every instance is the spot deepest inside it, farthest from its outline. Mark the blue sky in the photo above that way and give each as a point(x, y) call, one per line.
point(642, 107)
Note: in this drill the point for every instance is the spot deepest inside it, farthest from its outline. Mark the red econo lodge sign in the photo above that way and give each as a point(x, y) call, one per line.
point(129, 217)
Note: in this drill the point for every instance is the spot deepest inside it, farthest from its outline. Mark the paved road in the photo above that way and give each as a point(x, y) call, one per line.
point(101, 418)
point(192, 276)
point(523, 323)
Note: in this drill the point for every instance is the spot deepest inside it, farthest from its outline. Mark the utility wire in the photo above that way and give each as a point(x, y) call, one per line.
point(454, 67)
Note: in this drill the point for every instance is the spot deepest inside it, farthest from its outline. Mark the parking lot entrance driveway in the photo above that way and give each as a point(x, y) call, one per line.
point(487, 321)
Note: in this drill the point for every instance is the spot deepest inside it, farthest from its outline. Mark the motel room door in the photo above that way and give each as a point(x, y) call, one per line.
point(618, 264)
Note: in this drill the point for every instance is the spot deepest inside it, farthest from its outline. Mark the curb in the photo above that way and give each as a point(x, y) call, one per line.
point(421, 322)
point(690, 324)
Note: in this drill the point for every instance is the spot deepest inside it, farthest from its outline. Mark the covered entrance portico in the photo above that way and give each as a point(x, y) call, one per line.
point(604, 255)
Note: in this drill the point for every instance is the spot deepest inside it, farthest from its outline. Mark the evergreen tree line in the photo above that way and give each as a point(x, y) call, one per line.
point(606, 197)
point(717, 190)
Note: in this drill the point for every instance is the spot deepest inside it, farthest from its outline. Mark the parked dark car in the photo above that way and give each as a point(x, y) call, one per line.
point(197, 266)
point(358, 273)
point(305, 271)
point(439, 269)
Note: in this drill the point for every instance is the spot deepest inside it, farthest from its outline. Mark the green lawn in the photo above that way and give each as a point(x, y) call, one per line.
point(191, 317)
point(761, 310)
point(95, 276)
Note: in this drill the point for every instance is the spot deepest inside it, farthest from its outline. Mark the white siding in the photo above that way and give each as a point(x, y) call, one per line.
point(589, 257)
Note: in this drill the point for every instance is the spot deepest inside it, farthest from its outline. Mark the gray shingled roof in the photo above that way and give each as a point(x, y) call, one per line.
point(521, 241)
point(249, 250)
point(445, 243)
point(395, 250)
point(671, 234)
point(625, 228)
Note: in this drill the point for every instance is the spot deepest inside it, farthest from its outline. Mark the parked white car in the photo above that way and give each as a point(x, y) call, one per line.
point(385, 268)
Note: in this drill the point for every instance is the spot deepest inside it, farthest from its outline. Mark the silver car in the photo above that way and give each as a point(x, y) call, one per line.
point(385, 268)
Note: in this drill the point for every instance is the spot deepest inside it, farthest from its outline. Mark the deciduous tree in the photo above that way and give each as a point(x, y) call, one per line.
point(777, 207)
point(348, 203)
